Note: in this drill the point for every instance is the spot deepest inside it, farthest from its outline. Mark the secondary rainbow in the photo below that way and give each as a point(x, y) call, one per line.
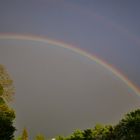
point(77, 50)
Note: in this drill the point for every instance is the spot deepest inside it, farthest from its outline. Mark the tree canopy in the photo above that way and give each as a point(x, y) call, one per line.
point(129, 127)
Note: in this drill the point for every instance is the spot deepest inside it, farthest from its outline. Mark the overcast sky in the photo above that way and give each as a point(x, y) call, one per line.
point(106, 28)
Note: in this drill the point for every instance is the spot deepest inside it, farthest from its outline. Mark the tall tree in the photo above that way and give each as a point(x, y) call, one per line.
point(6, 85)
point(7, 115)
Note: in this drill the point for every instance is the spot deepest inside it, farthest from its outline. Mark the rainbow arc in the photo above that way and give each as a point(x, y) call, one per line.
point(92, 57)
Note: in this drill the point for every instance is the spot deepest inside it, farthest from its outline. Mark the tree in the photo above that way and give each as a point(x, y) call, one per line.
point(129, 127)
point(99, 132)
point(6, 85)
point(7, 116)
point(24, 134)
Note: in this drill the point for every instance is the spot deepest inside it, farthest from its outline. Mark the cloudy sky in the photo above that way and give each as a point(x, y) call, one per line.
point(106, 28)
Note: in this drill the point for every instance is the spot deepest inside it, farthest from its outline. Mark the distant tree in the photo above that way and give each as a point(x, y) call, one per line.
point(7, 116)
point(6, 85)
point(24, 134)
point(129, 127)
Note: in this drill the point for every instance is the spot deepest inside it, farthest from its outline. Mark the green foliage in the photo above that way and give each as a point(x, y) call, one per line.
point(102, 132)
point(6, 120)
point(129, 127)
point(77, 135)
point(88, 134)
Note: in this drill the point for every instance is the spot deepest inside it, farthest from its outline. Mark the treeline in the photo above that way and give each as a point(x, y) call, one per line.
point(127, 129)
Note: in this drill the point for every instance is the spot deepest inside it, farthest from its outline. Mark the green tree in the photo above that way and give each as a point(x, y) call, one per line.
point(6, 85)
point(129, 127)
point(7, 116)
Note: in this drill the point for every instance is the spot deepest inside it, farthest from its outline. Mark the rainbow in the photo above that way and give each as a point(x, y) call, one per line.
point(92, 57)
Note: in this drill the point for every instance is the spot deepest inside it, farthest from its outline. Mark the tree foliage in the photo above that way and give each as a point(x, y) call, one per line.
point(7, 116)
point(129, 127)
point(6, 85)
